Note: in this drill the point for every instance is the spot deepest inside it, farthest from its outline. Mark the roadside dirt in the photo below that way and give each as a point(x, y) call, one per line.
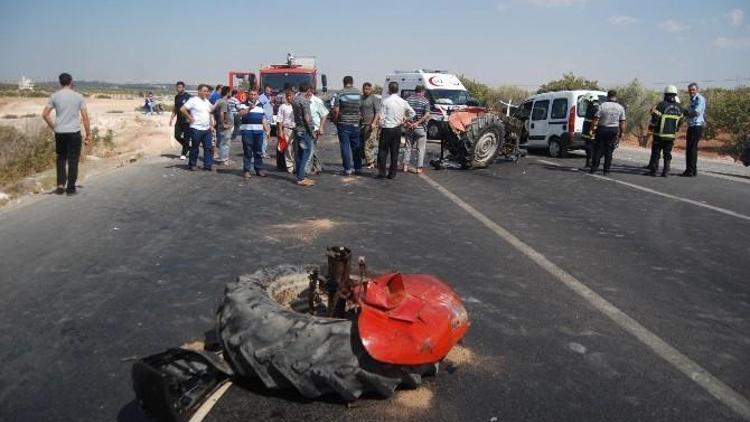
point(134, 135)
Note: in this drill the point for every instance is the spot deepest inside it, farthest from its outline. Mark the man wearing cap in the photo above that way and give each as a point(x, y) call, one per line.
point(666, 119)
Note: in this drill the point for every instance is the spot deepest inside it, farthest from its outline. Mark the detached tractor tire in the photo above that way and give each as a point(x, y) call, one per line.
point(482, 140)
point(265, 338)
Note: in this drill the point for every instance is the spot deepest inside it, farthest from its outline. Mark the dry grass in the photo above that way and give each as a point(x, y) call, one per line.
point(23, 153)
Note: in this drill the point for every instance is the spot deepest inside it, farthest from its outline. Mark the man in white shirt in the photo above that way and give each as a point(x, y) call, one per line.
point(198, 111)
point(319, 114)
point(393, 113)
point(285, 129)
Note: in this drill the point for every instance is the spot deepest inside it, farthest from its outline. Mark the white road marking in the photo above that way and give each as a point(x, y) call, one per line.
point(656, 192)
point(549, 163)
point(725, 176)
point(677, 359)
point(675, 197)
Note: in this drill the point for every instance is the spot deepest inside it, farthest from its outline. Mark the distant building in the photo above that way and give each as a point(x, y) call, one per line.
point(25, 84)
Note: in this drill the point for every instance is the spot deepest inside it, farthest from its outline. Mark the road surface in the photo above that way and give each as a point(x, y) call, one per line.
point(622, 298)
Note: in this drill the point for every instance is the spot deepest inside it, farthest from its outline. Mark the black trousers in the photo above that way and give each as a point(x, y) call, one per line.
point(604, 145)
point(694, 134)
point(389, 143)
point(182, 135)
point(68, 149)
point(659, 145)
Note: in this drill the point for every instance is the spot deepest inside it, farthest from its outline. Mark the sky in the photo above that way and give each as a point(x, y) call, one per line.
point(504, 42)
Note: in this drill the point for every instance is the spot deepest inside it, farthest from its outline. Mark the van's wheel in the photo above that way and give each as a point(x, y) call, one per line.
point(265, 334)
point(482, 139)
point(555, 148)
point(433, 130)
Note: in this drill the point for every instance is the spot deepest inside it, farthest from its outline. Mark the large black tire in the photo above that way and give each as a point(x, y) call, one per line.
point(286, 348)
point(482, 140)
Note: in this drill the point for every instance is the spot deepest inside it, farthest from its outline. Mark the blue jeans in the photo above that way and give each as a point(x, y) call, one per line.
point(351, 145)
point(252, 150)
point(198, 137)
point(304, 149)
point(222, 137)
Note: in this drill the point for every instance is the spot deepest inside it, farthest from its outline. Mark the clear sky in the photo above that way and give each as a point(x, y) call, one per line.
point(518, 42)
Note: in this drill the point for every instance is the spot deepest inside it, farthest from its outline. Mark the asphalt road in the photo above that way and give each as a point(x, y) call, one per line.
point(136, 263)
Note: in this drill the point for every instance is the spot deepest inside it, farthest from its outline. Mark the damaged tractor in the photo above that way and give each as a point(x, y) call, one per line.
point(295, 327)
point(474, 137)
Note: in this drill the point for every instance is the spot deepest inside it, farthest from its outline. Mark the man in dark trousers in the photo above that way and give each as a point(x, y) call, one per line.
point(393, 113)
point(589, 130)
point(610, 125)
point(666, 119)
point(182, 127)
point(70, 110)
point(695, 129)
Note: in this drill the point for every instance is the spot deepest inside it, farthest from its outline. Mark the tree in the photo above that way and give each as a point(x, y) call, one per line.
point(638, 102)
point(377, 89)
point(494, 96)
point(728, 112)
point(569, 82)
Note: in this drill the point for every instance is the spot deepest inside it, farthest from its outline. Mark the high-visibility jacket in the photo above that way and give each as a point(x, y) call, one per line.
point(588, 132)
point(666, 119)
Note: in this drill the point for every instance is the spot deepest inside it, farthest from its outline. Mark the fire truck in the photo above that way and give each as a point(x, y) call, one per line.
point(290, 74)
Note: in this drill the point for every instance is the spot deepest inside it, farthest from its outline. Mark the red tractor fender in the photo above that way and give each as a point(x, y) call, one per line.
point(410, 319)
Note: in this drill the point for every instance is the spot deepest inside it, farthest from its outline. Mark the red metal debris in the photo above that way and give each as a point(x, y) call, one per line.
point(410, 319)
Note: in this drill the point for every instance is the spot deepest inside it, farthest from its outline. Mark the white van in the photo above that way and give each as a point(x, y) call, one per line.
point(554, 120)
point(444, 90)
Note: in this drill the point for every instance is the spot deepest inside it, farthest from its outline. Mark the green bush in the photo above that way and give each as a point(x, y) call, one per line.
point(638, 102)
point(569, 82)
point(25, 153)
point(493, 96)
point(728, 113)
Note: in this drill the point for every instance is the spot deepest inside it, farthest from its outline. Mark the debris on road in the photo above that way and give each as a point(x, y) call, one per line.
point(293, 327)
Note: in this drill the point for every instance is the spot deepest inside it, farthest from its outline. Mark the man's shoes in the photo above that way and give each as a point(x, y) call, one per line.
point(192, 168)
point(358, 173)
point(70, 191)
point(380, 176)
point(182, 157)
point(261, 173)
point(60, 190)
point(391, 176)
point(606, 172)
point(687, 174)
point(211, 169)
point(305, 182)
point(346, 172)
point(246, 174)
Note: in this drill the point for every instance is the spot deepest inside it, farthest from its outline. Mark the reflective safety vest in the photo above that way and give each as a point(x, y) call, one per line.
point(589, 131)
point(666, 119)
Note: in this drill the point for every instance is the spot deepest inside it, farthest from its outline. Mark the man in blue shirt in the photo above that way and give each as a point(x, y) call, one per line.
point(215, 95)
point(696, 120)
point(254, 128)
point(266, 101)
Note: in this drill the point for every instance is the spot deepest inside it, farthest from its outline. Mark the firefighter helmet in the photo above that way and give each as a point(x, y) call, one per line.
point(671, 89)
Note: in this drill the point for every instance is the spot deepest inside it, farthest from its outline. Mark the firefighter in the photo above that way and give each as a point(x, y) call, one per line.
point(666, 119)
point(589, 130)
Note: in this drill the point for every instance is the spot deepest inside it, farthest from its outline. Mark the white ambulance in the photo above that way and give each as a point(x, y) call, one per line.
point(444, 90)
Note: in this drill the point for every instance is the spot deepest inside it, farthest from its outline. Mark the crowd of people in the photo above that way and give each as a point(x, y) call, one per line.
point(364, 124)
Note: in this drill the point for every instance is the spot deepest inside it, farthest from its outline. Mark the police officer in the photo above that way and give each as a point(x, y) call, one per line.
point(589, 130)
point(666, 119)
point(610, 125)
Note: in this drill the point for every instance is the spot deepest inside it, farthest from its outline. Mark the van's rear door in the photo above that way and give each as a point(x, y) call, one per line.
point(539, 124)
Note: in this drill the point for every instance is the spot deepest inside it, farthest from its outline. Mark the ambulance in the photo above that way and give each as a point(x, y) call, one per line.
point(444, 90)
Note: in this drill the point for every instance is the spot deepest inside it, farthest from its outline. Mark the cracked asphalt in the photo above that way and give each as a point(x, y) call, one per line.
point(137, 262)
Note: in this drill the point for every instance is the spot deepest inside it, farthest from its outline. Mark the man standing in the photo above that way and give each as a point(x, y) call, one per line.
point(319, 114)
point(303, 132)
point(416, 132)
point(285, 151)
point(197, 111)
point(610, 125)
point(696, 121)
point(68, 105)
point(393, 113)
point(266, 101)
point(588, 133)
point(223, 119)
point(215, 95)
point(182, 127)
point(666, 119)
point(368, 127)
point(346, 113)
point(254, 127)
point(234, 112)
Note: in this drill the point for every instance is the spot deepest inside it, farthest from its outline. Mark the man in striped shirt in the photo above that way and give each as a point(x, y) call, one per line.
point(254, 127)
point(416, 129)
